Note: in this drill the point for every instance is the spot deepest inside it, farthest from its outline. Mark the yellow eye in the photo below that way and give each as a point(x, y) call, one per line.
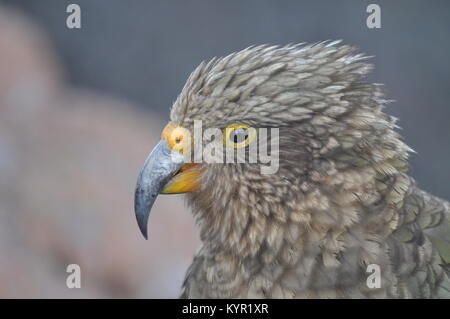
point(239, 135)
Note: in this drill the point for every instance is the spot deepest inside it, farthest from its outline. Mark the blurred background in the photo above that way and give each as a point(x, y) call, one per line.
point(81, 108)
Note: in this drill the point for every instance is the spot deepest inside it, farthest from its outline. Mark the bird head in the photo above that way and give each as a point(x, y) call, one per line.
point(319, 118)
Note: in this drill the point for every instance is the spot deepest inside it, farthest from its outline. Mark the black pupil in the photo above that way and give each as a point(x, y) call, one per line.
point(239, 135)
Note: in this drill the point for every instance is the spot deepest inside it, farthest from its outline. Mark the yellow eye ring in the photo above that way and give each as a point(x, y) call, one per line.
point(177, 138)
point(238, 135)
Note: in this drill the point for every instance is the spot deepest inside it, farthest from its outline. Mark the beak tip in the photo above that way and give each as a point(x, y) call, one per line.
point(142, 222)
point(141, 218)
point(143, 229)
point(141, 210)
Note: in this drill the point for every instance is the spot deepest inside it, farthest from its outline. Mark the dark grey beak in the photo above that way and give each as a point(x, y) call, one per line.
point(159, 167)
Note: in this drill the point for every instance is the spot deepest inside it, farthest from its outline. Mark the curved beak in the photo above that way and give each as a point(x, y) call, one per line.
point(159, 168)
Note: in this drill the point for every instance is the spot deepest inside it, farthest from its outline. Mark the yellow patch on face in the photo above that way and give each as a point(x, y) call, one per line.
point(187, 179)
point(238, 135)
point(177, 138)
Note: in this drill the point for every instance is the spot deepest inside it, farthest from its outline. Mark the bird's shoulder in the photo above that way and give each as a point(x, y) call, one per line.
point(425, 212)
point(426, 217)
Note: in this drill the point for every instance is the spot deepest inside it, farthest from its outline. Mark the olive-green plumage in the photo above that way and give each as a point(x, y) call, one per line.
point(341, 199)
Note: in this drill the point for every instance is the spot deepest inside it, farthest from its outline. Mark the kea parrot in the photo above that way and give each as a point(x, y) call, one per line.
point(339, 218)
